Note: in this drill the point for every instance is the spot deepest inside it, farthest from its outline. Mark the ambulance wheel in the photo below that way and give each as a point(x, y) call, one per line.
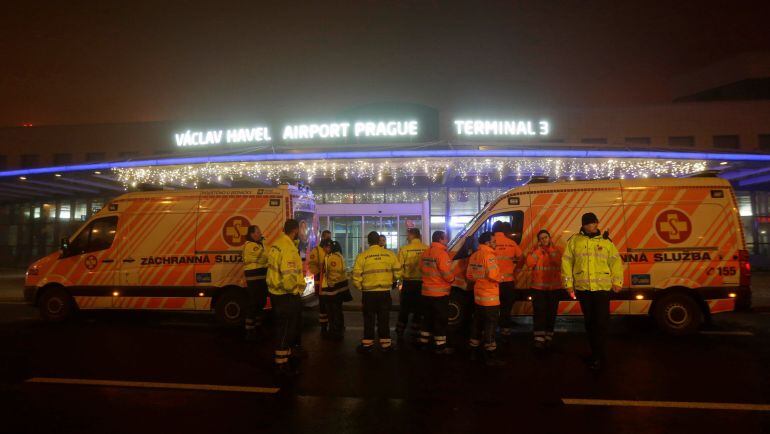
point(678, 314)
point(456, 313)
point(56, 305)
point(231, 307)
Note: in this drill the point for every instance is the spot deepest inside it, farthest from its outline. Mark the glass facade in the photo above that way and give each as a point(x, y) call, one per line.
point(31, 230)
point(351, 231)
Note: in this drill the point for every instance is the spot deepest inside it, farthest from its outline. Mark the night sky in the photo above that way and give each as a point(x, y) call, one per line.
point(91, 62)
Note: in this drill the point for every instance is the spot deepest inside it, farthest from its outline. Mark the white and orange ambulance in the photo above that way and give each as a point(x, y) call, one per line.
point(166, 250)
point(681, 241)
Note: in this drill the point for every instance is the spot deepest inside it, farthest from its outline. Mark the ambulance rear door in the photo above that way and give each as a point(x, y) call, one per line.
point(682, 235)
point(224, 219)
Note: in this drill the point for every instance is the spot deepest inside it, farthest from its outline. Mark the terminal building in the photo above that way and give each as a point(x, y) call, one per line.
point(392, 166)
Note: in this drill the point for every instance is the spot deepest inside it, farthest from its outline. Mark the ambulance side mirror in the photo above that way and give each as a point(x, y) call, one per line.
point(65, 246)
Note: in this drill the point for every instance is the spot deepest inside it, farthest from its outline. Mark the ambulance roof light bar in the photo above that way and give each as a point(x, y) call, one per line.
point(537, 179)
point(705, 174)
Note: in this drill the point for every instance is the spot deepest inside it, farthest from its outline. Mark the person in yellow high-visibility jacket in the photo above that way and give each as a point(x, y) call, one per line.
point(334, 287)
point(374, 272)
point(255, 271)
point(315, 262)
point(285, 282)
point(591, 267)
point(409, 257)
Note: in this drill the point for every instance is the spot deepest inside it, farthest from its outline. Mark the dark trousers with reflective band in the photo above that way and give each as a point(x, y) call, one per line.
point(485, 320)
point(256, 293)
point(334, 311)
point(435, 321)
point(287, 309)
point(323, 313)
point(376, 306)
point(508, 296)
point(596, 315)
point(545, 305)
point(410, 304)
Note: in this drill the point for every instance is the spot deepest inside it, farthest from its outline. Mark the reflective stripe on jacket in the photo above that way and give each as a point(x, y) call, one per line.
point(508, 253)
point(459, 267)
point(484, 272)
point(333, 273)
point(255, 260)
point(409, 257)
point(591, 263)
point(436, 268)
point(315, 260)
point(284, 268)
point(375, 269)
point(545, 263)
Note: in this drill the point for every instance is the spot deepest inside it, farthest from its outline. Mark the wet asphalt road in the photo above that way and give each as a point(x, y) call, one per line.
point(340, 391)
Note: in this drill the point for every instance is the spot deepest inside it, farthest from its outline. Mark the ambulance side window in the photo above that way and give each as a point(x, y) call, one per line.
point(79, 244)
point(471, 243)
point(98, 235)
point(515, 218)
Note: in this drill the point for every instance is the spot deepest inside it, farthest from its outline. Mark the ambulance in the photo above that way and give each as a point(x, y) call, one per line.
point(167, 250)
point(680, 239)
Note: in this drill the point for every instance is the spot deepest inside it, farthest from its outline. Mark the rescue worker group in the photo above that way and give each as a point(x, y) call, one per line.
point(588, 268)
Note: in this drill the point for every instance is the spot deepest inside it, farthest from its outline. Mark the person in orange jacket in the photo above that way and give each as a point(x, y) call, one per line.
point(485, 275)
point(545, 263)
point(437, 278)
point(508, 255)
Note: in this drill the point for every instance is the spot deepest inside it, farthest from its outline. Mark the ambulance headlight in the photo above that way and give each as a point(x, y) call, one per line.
point(309, 286)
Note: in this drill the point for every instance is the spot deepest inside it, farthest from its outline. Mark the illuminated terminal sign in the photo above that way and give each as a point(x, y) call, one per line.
point(362, 128)
point(501, 128)
point(218, 137)
point(342, 130)
point(390, 129)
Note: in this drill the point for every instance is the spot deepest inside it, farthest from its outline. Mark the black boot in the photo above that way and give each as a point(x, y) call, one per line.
point(364, 349)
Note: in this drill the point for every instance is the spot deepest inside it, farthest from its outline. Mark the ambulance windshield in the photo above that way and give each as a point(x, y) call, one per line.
point(469, 225)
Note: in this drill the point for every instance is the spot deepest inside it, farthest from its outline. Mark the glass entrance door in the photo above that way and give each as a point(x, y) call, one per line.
point(346, 230)
point(351, 231)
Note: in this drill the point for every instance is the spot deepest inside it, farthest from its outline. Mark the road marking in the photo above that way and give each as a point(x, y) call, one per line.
point(515, 332)
point(719, 333)
point(151, 385)
point(669, 404)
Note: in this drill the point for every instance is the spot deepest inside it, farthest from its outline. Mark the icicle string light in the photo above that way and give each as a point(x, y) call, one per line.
point(380, 172)
point(406, 196)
